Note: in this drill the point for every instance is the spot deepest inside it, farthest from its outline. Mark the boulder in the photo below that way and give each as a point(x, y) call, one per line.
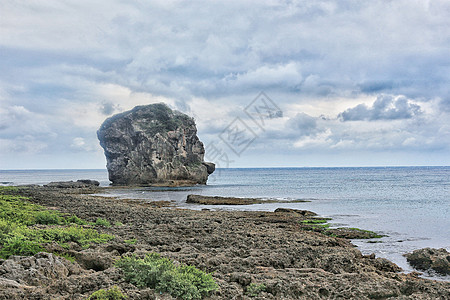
point(153, 145)
point(430, 259)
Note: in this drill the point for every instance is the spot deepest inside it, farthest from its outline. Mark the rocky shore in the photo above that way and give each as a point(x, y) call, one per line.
point(251, 255)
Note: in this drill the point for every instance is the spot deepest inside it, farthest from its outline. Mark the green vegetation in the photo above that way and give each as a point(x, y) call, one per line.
point(321, 225)
point(19, 237)
point(102, 222)
point(371, 234)
point(131, 241)
point(66, 256)
point(113, 293)
point(315, 221)
point(253, 289)
point(156, 272)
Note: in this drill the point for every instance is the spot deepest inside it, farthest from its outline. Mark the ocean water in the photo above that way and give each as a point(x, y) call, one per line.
point(409, 204)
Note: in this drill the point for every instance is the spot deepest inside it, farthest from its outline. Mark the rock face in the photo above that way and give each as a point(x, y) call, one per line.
point(153, 145)
point(429, 258)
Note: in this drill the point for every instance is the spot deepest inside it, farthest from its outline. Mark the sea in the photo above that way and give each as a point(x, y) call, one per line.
point(410, 205)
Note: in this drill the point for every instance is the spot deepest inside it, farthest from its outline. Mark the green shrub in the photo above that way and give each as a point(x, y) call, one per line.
point(254, 289)
point(47, 217)
point(74, 233)
point(102, 222)
point(74, 220)
point(19, 245)
point(154, 271)
point(113, 293)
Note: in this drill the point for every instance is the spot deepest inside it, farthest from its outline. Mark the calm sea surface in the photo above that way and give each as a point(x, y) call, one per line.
point(409, 204)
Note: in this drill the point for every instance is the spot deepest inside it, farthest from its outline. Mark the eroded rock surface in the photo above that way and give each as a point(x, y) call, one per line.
point(153, 145)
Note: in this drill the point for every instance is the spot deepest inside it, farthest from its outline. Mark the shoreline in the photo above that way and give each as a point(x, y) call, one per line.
point(239, 247)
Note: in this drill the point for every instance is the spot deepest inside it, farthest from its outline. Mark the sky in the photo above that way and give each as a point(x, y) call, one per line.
point(304, 83)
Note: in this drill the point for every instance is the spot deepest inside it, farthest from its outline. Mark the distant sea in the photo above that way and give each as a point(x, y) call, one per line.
point(409, 204)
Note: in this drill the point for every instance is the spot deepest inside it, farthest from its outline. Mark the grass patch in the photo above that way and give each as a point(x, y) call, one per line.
point(113, 293)
point(18, 237)
point(161, 274)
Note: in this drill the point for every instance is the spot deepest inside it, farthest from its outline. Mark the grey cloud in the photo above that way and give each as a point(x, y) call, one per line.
point(386, 107)
point(108, 108)
point(375, 86)
point(444, 104)
point(302, 124)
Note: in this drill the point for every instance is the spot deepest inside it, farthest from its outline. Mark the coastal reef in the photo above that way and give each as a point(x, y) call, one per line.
point(153, 145)
point(197, 254)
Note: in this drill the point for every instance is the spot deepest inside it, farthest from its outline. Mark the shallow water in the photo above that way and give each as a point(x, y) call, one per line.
point(409, 204)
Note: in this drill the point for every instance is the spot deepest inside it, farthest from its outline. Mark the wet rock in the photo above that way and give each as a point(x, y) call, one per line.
point(153, 145)
point(430, 259)
point(305, 213)
point(217, 200)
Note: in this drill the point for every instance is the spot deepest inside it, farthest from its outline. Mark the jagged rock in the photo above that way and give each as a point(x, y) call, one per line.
point(153, 145)
point(429, 258)
point(40, 269)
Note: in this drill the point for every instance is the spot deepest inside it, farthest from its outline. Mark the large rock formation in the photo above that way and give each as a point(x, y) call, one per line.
point(151, 145)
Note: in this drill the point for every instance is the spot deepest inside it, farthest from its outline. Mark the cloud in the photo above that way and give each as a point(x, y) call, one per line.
point(108, 108)
point(385, 107)
point(302, 124)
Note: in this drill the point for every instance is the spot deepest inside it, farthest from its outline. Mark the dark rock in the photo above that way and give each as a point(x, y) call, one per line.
point(89, 182)
point(93, 260)
point(210, 167)
point(84, 183)
point(216, 200)
point(429, 258)
point(153, 145)
point(295, 211)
